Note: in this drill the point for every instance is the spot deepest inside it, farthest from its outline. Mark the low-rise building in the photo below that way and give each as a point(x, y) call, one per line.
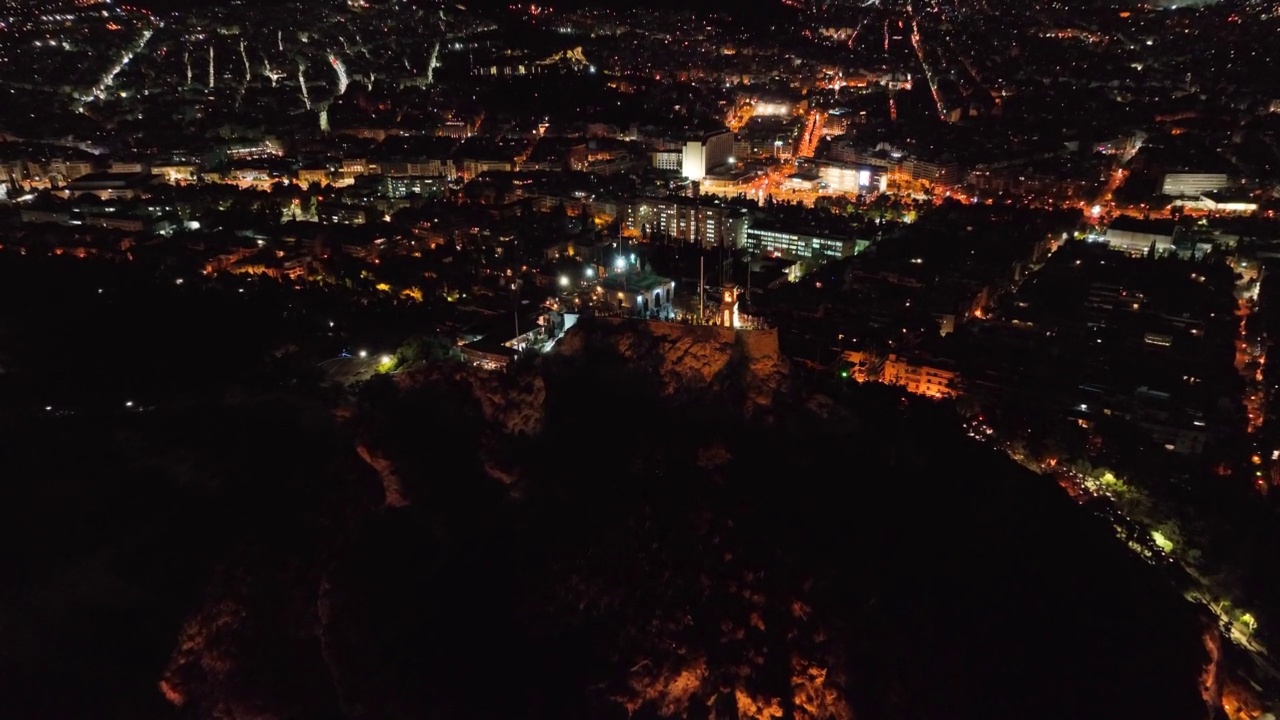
point(111, 186)
point(927, 377)
point(401, 187)
point(802, 245)
point(640, 293)
point(177, 173)
point(1192, 185)
point(920, 377)
point(1225, 202)
point(308, 175)
point(1136, 236)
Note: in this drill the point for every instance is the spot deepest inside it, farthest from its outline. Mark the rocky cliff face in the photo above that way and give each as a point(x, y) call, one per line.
point(655, 520)
point(689, 360)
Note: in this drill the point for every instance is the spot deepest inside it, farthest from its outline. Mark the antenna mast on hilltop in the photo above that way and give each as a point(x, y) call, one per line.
point(702, 279)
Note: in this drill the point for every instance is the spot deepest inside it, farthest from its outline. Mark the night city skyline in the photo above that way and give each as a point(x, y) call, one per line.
point(652, 360)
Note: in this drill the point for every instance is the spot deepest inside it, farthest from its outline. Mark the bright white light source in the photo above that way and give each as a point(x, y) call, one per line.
point(128, 403)
point(1096, 210)
point(620, 263)
point(591, 272)
point(386, 359)
point(564, 281)
point(364, 354)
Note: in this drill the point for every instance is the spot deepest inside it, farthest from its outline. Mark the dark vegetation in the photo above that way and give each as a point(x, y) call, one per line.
point(236, 545)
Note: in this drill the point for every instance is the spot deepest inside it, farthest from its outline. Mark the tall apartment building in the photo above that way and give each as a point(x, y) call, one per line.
point(668, 159)
point(706, 153)
point(686, 220)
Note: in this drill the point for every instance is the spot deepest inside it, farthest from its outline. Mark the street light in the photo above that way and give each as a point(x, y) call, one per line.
point(620, 264)
point(564, 281)
point(591, 272)
point(364, 354)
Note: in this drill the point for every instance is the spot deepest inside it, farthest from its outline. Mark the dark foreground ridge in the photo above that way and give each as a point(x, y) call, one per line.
point(656, 520)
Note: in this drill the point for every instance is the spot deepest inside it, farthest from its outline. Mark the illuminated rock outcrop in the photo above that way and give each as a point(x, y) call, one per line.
point(689, 359)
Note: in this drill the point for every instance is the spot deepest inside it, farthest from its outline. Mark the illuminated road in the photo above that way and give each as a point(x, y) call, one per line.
point(807, 144)
point(917, 42)
point(1103, 199)
point(109, 79)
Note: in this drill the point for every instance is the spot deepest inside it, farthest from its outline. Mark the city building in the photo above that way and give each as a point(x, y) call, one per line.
point(401, 187)
point(942, 171)
point(111, 186)
point(727, 182)
point(1224, 202)
point(667, 159)
point(1192, 185)
point(308, 175)
point(420, 167)
point(851, 179)
point(1136, 236)
point(706, 153)
point(808, 247)
point(684, 219)
point(68, 170)
point(774, 107)
point(176, 173)
point(928, 378)
point(640, 293)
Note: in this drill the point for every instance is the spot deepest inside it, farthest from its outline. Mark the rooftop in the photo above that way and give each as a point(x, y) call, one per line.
point(110, 180)
point(645, 281)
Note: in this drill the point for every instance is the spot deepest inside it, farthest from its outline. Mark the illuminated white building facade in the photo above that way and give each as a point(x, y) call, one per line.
point(706, 153)
point(852, 179)
point(1192, 184)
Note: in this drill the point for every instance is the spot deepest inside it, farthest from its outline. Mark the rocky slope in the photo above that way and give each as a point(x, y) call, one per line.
point(690, 360)
point(656, 520)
